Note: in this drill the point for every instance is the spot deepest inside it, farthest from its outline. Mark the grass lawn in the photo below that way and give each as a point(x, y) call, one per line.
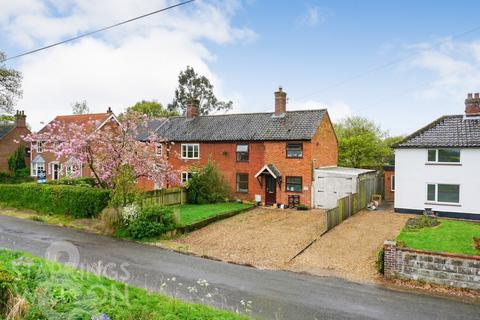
point(47, 290)
point(191, 213)
point(450, 236)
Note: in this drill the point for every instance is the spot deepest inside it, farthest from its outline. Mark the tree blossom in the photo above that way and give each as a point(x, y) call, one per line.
point(107, 149)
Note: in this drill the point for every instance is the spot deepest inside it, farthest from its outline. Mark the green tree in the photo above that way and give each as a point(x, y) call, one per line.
point(16, 162)
point(153, 109)
point(6, 118)
point(207, 185)
point(10, 86)
point(389, 142)
point(194, 88)
point(80, 107)
point(361, 143)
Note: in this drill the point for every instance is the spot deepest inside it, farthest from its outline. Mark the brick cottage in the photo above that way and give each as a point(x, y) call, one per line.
point(10, 136)
point(270, 156)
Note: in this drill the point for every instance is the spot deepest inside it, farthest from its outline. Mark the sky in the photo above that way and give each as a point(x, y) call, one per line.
point(401, 64)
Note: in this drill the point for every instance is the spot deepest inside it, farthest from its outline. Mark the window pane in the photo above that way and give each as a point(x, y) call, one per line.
point(432, 155)
point(393, 183)
point(449, 155)
point(294, 150)
point(242, 147)
point(294, 184)
point(431, 192)
point(242, 182)
point(449, 193)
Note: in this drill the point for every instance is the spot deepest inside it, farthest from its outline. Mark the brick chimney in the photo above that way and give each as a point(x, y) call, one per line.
point(472, 105)
point(192, 109)
point(109, 110)
point(280, 102)
point(21, 119)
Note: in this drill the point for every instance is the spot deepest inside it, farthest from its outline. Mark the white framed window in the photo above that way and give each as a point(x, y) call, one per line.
point(37, 167)
point(185, 176)
point(39, 146)
point(451, 155)
point(190, 151)
point(159, 150)
point(392, 183)
point(443, 193)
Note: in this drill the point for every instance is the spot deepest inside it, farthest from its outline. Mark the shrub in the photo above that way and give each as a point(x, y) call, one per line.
point(82, 181)
point(19, 177)
point(207, 185)
point(152, 221)
point(302, 207)
point(414, 224)
point(17, 160)
point(381, 262)
point(78, 201)
point(6, 282)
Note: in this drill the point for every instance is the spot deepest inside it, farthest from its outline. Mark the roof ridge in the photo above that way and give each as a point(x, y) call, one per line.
point(247, 113)
point(85, 114)
point(420, 131)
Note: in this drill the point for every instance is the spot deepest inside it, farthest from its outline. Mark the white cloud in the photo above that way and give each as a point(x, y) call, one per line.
point(315, 15)
point(137, 61)
point(336, 109)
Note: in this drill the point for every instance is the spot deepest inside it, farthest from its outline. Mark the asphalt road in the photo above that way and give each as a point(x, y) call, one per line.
point(273, 294)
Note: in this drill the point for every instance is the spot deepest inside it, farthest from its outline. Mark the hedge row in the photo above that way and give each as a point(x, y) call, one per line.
point(78, 201)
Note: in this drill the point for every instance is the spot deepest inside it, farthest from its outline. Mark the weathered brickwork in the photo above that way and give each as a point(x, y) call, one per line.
point(453, 270)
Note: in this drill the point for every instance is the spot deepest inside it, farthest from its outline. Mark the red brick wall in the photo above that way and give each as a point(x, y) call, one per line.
point(323, 149)
point(8, 146)
point(389, 194)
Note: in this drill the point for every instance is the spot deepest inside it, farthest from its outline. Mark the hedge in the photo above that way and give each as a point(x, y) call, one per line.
point(78, 201)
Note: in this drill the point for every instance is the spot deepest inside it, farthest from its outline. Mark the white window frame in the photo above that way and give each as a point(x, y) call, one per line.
point(392, 183)
point(159, 149)
point(185, 176)
point(51, 170)
point(39, 147)
point(185, 150)
point(437, 150)
point(35, 168)
point(436, 194)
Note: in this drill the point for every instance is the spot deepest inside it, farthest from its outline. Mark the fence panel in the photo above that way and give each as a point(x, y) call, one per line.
point(165, 197)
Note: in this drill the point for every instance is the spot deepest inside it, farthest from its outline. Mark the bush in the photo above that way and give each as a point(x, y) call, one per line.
point(82, 181)
point(18, 177)
point(6, 283)
point(414, 224)
point(78, 201)
point(152, 221)
point(302, 207)
point(381, 262)
point(207, 185)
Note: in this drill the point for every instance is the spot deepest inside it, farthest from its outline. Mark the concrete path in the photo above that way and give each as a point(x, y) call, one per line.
point(273, 294)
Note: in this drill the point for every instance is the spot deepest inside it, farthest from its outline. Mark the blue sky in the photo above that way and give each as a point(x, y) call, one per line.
point(249, 48)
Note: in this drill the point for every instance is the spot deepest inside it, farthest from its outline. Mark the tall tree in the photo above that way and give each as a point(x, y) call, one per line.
point(152, 109)
point(80, 107)
point(194, 88)
point(389, 142)
point(361, 143)
point(10, 86)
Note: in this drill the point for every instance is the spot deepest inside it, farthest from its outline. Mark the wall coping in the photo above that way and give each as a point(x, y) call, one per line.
point(433, 253)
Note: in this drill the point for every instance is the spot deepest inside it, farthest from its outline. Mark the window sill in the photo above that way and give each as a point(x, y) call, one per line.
point(294, 157)
point(190, 158)
point(298, 192)
point(455, 164)
point(448, 204)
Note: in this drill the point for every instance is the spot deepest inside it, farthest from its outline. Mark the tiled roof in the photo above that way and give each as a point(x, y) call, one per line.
point(294, 125)
point(5, 129)
point(447, 131)
point(79, 119)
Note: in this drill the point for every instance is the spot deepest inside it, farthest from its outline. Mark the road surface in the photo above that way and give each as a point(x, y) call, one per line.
point(273, 294)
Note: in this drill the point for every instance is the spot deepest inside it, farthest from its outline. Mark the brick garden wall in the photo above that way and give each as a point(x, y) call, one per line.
point(453, 270)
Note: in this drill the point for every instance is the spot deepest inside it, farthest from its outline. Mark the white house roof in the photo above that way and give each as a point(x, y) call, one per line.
point(343, 171)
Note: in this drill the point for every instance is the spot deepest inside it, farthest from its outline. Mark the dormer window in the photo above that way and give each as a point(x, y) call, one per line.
point(444, 156)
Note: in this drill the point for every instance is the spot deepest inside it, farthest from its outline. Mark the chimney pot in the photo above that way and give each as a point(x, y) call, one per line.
point(280, 102)
point(469, 96)
point(192, 110)
point(472, 105)
point(20, 119)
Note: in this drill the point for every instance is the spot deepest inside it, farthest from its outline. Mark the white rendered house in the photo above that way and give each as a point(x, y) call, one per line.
point(438, 166)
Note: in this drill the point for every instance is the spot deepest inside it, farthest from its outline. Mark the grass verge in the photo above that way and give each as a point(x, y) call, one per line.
point(192, 213)
point(40, 289)
point(449, 236)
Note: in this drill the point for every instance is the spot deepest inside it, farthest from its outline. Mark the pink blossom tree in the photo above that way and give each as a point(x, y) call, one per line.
point(108, 150)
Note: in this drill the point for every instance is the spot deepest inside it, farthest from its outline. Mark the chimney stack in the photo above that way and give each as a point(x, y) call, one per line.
point(109, 110)
point(280, 102)
point(21, 119)
point(192, 109)
point(472, 105)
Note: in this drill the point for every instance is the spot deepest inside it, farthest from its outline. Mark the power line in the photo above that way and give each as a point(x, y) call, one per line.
point(97, 31)
point(378, 68)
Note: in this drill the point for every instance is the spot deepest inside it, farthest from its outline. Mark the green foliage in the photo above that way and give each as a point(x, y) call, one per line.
point(81, 181)
point(6, 118)
point(302, 207)
point(10, 86)
point(207, 185)
point(193, 88)
point(380, 263)
point(125, 190)
point(21, 176)
point(361, 144)
point(17, 160)
point(389, 142)
point(152, 221)
point(80, 107)
point(77, 201)
point(192, 213)
point(153, 109)
point(55, 291)
point(449, 236)
point(417, 223)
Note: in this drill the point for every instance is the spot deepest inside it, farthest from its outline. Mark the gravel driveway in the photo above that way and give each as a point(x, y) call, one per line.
point(265, 238)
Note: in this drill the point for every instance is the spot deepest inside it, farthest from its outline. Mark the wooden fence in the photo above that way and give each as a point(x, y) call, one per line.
point(165, 197)
point(351, 204)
